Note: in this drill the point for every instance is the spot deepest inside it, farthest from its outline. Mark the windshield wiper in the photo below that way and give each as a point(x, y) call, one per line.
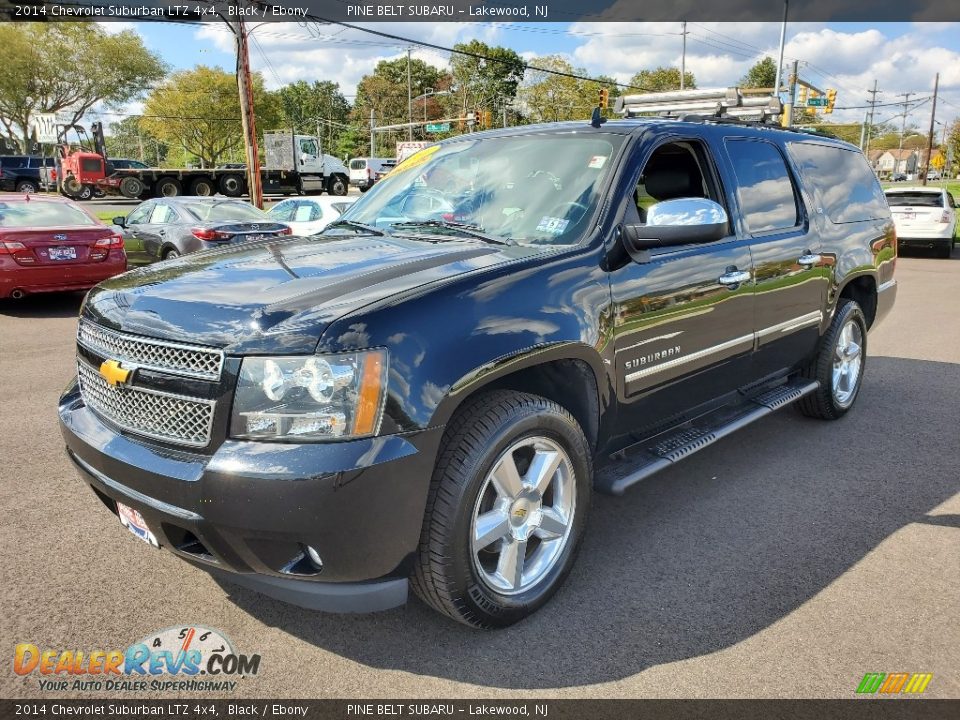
point(467, 229)
point(353, 224)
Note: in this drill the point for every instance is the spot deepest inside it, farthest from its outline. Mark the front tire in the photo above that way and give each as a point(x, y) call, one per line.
point(839, 364)
point(506, 511)
point(337, 185)
point(27, 187)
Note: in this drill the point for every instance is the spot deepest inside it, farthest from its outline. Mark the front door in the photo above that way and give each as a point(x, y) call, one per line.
point(684, 317)
point(790, 273)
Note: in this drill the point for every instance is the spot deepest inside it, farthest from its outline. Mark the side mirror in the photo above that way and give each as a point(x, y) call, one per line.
point(677, 222)
point(120, 221)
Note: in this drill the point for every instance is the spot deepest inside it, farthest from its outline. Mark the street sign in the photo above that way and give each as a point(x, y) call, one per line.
point(438, 127)
point(817, 102)
point(45, 125)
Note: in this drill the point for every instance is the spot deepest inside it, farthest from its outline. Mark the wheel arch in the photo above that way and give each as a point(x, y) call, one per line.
point(861, 288)
point(570, 375)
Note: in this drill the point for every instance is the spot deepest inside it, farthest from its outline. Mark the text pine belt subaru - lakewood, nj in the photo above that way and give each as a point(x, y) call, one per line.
point(428, 392)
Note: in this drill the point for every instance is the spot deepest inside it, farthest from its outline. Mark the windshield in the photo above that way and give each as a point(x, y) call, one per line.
point(923, 199)
point(42, 214)
point(225, 211)
point(538, 188)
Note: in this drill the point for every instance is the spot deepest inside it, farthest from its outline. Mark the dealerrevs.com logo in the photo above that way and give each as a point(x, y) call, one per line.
point(192, 658)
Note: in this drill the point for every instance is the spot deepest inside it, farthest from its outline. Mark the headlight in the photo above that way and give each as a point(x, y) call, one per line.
point(318, 397)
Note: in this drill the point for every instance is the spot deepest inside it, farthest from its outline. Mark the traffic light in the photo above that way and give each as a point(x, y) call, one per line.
point(802, 96)
point(487, 119)
point(604, 99)
point(831, 101)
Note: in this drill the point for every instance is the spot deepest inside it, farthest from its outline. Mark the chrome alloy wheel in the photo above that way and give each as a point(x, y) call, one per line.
point(847, 363)
point(523, 516)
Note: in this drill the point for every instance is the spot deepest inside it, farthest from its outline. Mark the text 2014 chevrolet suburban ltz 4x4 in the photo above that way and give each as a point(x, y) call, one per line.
point(429, 392)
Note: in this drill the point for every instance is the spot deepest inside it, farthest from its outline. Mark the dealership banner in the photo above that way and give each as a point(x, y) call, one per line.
point(511, 11)
point(425, 708)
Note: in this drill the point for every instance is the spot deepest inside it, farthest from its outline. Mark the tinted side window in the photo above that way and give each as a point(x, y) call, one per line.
point(14, 162)
point(847, 188)
point(763, 185)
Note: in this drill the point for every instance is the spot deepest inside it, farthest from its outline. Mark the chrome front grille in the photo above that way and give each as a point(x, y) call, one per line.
point(164, 416)
point(184, 360)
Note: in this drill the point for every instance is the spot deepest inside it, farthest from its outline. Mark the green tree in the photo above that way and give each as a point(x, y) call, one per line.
point(198, 111)
point(548, 97)
point(483, 83)
point(69, 66)
point(763, 74)
point(309, 107)
point(385, 92)
point(953, 141)
point(128, 140)
point(661, 79)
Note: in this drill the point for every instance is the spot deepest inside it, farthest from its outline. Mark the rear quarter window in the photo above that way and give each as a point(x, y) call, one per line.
point(841, 181)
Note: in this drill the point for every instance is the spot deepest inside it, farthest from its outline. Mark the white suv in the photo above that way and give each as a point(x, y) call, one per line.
point(924, 217)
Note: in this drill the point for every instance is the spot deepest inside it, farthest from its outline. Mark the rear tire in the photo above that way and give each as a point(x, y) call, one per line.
point(27, 186)
point(167, 187)
point(231, 185)
point(839, 364)
point(535, 533)
point(945, 250)
point(170, 254)
point(203, 187)
point(85, 193)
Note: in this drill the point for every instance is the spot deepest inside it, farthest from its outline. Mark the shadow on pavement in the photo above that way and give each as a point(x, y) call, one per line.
point(700, 557)
point(44, 305)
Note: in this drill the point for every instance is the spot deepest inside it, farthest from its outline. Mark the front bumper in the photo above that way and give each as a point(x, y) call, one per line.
point(248, 512)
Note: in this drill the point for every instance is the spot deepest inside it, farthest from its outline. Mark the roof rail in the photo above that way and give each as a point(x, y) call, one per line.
point(705, 104)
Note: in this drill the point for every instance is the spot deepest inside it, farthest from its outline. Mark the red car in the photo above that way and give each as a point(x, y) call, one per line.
point(52, 244)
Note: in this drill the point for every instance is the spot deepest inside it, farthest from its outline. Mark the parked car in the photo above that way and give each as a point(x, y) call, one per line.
point(924, 217)
point(170, 227)
point(308, 216)
point(125, 164)
point(429, 400)
point(365, 171)
point(22, 173)
point(899, 177)
point(50, 244)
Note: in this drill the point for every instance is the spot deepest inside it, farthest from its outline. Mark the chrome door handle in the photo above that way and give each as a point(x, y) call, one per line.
point(734, 277)
point(809, 260)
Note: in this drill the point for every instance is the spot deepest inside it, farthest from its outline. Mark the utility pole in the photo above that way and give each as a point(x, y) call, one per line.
point(873, 106)
point(792, 95)
point(409, 99)
point(933, 115)
point(863, 131)
point(245, 85)
point(783, 40)
point(903, 126)
point(683, 57)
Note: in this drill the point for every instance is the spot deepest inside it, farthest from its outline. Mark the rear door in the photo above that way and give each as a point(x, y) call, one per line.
point(790, 274)
point(684, 318)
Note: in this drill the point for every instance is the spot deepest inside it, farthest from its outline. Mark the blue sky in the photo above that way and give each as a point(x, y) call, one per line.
point(903, 57)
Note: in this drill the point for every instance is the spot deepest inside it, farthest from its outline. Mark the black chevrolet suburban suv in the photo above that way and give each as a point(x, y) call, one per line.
point(428, 393)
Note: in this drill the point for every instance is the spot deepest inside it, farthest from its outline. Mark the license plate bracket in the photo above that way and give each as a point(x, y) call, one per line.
point(133, 521)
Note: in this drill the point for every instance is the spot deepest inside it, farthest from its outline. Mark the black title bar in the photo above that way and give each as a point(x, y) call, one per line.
point(433, 11)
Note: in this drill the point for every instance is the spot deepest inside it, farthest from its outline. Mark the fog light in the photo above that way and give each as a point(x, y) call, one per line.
point(314, 558)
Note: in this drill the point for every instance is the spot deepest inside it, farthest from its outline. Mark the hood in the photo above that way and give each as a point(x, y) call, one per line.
point(278, 296)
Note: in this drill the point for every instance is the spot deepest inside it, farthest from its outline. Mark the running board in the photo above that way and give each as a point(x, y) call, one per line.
point(640, 461)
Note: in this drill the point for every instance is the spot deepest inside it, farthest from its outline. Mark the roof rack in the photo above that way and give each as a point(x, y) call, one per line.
point(724, 104)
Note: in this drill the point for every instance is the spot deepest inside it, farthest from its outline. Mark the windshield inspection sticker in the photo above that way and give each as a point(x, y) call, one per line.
point(552, 225)
point(597, 161)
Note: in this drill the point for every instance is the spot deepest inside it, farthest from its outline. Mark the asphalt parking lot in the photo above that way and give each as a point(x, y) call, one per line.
point(786, 561)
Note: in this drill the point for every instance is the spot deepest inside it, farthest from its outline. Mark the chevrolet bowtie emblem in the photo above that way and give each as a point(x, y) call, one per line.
point(520, 513)
point(115, 375)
